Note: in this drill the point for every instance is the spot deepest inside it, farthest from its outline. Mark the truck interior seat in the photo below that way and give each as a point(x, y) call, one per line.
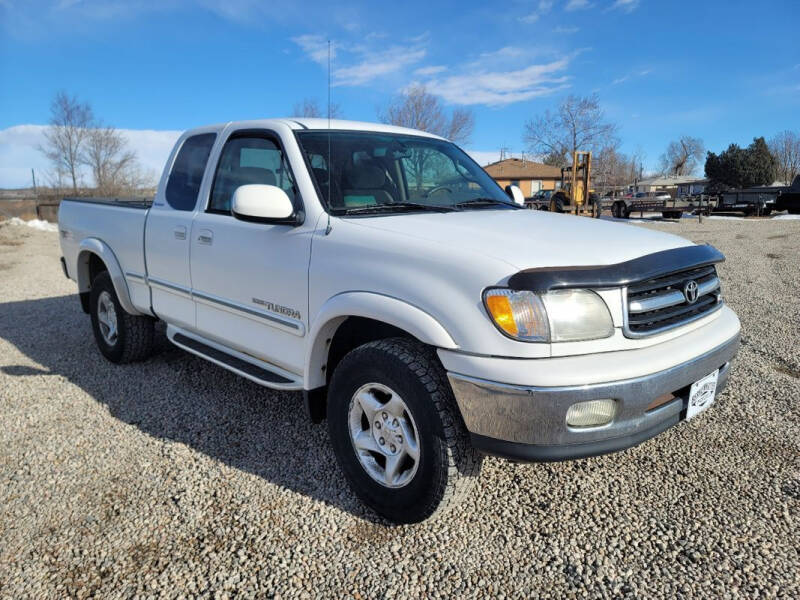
point(364, 185)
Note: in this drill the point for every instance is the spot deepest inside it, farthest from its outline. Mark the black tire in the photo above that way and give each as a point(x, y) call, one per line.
point(135, 334)
point(616, 210)
point(448, 465)
point(557, 205)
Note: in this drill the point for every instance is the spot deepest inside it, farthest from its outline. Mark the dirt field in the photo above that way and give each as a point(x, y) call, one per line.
point(175, 478)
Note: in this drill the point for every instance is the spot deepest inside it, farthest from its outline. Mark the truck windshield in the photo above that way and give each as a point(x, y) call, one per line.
point(367, 172)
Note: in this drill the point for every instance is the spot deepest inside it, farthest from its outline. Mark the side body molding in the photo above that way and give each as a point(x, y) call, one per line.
point(90, 246)
point(370, 305)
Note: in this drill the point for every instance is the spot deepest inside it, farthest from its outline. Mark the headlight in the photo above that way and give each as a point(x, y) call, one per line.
point(521, 315)
point(558, 316)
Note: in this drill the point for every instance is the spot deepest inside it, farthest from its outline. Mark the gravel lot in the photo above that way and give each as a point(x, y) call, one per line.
point(174, 477)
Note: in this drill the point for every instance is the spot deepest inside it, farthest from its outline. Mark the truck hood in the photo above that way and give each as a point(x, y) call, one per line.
point(528, 239)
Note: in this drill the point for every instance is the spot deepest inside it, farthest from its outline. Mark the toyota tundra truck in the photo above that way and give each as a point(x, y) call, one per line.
point(382, 273)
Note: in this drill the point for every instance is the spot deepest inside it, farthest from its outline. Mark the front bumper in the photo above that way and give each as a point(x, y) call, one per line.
point(529, 422)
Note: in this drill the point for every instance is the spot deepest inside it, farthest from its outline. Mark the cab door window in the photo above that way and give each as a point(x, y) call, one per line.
point(249, 160)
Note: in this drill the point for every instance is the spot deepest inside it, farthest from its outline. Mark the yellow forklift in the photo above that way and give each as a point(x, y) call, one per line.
point(575, 195)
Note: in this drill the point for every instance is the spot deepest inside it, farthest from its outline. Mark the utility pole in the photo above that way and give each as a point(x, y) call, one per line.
point(33, 177)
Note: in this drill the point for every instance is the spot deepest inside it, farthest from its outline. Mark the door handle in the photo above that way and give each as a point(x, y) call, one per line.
point(179, 233)
point(205, 236)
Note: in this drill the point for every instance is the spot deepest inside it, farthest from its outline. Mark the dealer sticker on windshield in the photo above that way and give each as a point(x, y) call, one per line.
point(701, 395)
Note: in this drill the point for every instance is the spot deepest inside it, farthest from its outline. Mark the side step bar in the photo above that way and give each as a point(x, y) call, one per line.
point(249, 367)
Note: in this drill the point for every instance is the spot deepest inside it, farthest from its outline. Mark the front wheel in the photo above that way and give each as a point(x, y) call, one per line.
point(557, 205)
point(397, 432)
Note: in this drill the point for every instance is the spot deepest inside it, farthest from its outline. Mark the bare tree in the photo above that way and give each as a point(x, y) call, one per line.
point(310, 108)
point(112, 163)
point(683, 156)
point(610, 168)
point(785, 147)
point(418, 109)
point(577, 124)
point(70, 121)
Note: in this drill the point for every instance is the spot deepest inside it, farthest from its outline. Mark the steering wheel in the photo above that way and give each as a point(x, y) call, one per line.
point(438, 189)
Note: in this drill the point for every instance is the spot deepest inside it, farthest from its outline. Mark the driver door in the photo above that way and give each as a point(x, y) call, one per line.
point(250, 280)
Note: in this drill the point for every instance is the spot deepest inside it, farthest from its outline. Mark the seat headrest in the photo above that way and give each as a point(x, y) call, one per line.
point(255, 175)
point(365, 177)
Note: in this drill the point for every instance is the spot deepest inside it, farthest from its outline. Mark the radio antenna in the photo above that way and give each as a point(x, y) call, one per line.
point(330, 166)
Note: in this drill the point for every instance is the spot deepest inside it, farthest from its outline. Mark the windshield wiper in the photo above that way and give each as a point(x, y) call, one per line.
point(393, 207)
point(485, 202)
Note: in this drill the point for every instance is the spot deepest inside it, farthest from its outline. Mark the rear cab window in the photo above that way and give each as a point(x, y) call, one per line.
point(186, 176)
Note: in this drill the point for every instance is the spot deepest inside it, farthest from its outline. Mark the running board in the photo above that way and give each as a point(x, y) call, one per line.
point(251, 368)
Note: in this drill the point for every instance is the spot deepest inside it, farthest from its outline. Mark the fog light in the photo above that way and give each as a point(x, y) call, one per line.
point(592, 413)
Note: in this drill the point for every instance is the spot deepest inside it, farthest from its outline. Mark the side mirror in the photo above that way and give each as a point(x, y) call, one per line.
point(515, 194)
point(263, 204)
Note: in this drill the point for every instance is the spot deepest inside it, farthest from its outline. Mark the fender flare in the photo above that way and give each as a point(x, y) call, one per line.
point(103, 251)
point(371, 305)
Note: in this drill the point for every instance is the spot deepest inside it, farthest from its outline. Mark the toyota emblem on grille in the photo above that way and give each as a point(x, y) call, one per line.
point(690, 291)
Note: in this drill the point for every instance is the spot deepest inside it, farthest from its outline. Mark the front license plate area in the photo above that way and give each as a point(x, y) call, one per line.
point(701, 394)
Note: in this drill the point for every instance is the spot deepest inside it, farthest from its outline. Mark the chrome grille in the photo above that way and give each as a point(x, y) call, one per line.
point(661, 303)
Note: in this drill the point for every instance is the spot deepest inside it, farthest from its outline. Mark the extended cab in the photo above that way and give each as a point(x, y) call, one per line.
point(385, 275)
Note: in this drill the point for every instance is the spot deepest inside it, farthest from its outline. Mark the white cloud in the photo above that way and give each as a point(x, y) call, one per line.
point(375, 65)
point(542, 8)
point(503, 53)
point(577, 5)
point(19, 153)
point(359, 64)
point(428, 71)
point(496, 88)
point(625, 5)
point(629, 76)
point(316, 47)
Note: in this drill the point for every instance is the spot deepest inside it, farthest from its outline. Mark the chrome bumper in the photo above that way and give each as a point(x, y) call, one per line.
point(529, 423)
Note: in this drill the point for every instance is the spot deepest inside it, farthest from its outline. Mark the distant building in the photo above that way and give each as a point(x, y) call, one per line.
point(661, 183)
point(529, 176)
point(692, 188)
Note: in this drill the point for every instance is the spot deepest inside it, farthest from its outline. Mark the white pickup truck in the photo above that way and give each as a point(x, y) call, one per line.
point(382, 272)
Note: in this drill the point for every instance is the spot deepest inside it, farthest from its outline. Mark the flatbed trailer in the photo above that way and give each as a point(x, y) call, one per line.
point(759, 201)
point(672, 208)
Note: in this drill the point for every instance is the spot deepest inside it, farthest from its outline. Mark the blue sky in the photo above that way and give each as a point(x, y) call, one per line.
point(724, 71)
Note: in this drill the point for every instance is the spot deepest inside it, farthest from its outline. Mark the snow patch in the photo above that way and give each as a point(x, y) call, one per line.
point(34, 224)
point(787, 217)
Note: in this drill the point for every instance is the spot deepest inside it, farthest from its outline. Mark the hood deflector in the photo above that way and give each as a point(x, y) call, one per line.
point(619, 274)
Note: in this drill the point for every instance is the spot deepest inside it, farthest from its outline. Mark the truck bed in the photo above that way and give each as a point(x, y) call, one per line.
point(114, 223)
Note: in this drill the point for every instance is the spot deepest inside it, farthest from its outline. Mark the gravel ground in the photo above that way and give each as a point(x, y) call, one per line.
point(174, 477)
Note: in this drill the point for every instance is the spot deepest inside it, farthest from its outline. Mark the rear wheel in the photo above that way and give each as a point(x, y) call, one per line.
point(120, 336)
point(397, 432)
